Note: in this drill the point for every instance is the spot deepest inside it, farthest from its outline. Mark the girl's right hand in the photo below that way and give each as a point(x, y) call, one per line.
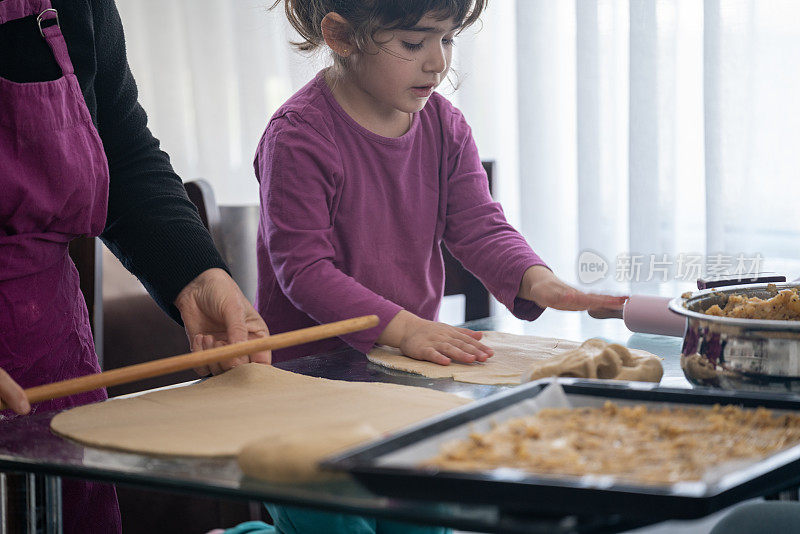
point(434, 342)
point(12, 395)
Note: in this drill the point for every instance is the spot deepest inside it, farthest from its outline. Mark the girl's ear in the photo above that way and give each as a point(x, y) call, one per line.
point(335, 31)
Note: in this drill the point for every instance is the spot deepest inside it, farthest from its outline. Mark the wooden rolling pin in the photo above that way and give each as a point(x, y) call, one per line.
point(164, 366)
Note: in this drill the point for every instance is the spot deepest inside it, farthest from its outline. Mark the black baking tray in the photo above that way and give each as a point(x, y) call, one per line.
point(518, 492)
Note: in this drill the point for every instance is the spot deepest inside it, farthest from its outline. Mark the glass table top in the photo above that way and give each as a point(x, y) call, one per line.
point(27, 445)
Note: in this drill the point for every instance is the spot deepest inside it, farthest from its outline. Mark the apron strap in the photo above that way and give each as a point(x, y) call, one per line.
point(52, 34)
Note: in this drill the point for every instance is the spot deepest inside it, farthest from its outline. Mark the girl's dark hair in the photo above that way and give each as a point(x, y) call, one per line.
point(366, 17)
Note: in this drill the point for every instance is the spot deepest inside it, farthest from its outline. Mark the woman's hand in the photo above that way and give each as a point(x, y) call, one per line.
point(434, 342)
point(540, 285)
point(216, 313)
point(12, 395)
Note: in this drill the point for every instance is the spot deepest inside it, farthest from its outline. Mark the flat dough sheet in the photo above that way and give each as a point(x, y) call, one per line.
point(514, 358)
point(251, 403)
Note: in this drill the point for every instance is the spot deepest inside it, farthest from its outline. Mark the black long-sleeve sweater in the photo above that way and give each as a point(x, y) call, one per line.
point(152, 227)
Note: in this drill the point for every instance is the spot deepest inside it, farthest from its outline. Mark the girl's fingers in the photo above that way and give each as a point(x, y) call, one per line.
point(592, 301)
point(442, 344)
point(470, 348)
point(474, 334)
point(482, 350)
point(432, 355)
point(576, 301)
point(455, 353)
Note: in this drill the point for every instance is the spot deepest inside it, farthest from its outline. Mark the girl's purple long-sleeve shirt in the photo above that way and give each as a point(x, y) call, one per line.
point(352, 222)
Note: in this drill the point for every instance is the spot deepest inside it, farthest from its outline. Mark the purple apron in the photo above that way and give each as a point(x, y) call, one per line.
point(53, 188)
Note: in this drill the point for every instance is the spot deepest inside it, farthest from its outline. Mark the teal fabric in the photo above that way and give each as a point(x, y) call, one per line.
point(290, 520)
point(765, 517)
point(252, 527)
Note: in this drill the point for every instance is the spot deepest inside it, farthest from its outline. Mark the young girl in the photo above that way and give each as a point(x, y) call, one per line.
point(366, 170)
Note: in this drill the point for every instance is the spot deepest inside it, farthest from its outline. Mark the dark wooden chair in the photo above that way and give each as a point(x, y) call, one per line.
point(202, 196)
point(459, 281)
point(135, 329)
point(88, 253)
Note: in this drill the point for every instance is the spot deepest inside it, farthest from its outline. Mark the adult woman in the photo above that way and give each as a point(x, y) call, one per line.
point(76, 158)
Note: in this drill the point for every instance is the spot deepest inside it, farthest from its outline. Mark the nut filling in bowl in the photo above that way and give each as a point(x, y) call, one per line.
point(742, 337)
point(783, 305)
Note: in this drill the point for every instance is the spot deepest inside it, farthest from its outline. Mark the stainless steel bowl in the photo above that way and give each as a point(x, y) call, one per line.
point(731, 353)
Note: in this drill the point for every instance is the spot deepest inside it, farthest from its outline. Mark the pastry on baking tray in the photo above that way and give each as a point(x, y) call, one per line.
point(634, 443)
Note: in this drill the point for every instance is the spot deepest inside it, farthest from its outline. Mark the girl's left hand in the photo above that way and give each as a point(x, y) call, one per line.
point(540, 285)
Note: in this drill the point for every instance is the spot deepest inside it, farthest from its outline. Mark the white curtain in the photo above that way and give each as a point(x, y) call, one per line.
point(210, 75)
point(655, 136)
point(662, 135)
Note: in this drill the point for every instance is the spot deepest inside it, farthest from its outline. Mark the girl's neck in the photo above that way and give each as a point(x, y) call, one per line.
point(363, 108)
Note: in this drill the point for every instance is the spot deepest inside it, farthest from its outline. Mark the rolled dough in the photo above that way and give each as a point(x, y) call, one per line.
point(518, 359)
point(250, 403)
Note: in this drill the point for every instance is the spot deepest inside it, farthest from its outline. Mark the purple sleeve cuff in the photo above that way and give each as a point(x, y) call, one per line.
point(526, 310)
point(364, 340)
point(520, 307)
